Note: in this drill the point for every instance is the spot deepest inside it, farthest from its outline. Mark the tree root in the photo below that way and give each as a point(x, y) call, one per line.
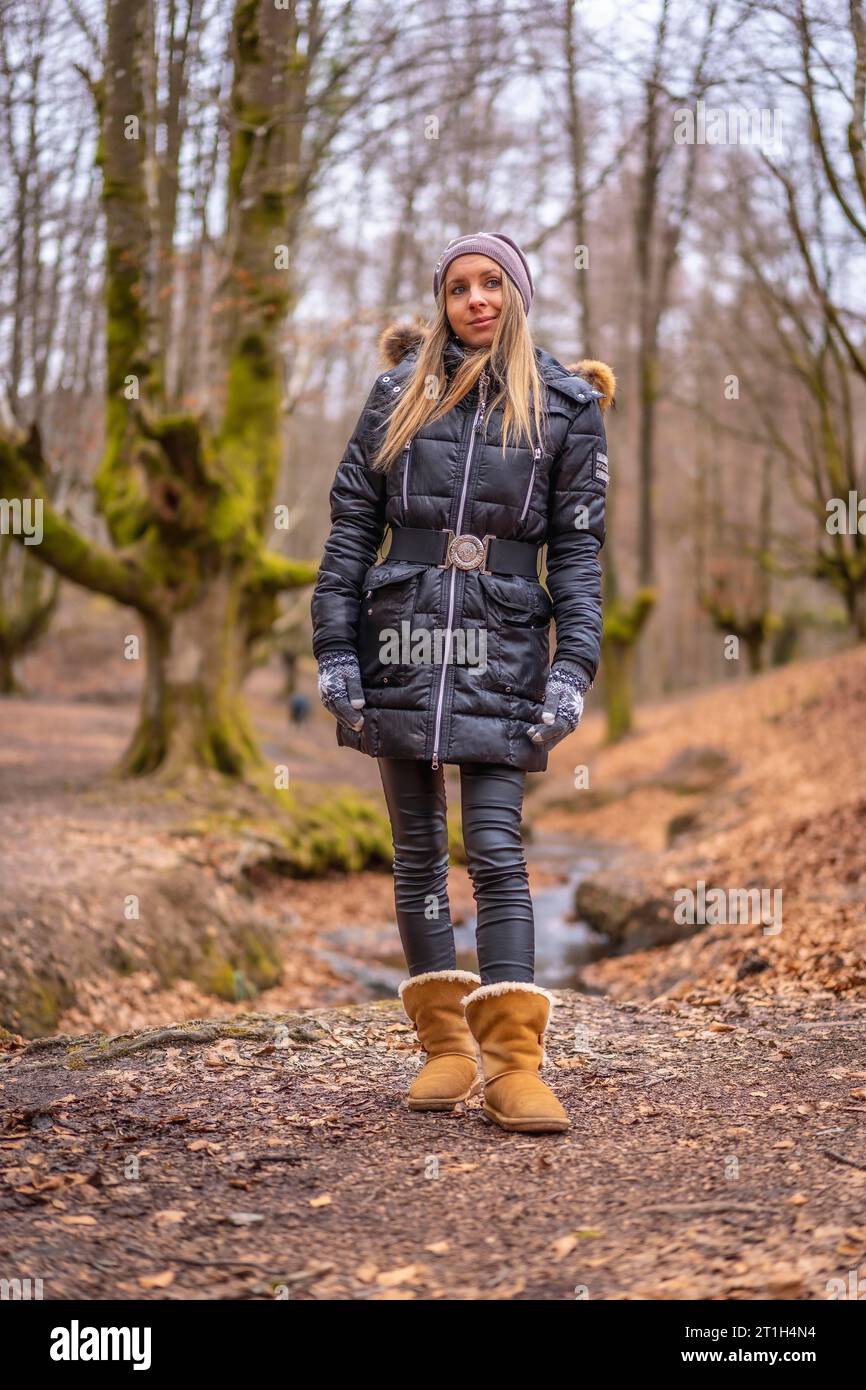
point(300, 1032)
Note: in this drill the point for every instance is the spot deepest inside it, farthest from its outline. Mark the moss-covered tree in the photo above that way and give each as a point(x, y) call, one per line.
point(624, 621)
point(187, 507)
point(738, 596)
point(28, 593)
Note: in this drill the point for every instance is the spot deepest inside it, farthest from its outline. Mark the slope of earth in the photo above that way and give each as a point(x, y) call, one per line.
point(784, 812)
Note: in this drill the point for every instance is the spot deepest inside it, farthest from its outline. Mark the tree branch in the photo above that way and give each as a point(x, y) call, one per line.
point(272, 573)
point(66, 550)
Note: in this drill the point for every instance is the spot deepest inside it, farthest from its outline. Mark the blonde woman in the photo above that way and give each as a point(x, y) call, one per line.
point(475, 448)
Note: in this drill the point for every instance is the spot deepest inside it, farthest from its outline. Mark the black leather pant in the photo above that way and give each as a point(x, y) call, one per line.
point(492, 806)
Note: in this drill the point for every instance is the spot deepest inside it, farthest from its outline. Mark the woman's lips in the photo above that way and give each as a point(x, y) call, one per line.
point(479, 323)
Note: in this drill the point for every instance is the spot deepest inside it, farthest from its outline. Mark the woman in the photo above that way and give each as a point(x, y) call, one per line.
point(476, 448)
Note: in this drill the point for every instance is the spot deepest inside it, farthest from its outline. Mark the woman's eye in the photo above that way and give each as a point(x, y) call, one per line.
point(494, 281)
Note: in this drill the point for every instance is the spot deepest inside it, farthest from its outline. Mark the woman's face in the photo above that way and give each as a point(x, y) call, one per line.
point(473, 298)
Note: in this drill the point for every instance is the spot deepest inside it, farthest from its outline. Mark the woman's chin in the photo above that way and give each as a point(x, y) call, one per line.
point(482, 340)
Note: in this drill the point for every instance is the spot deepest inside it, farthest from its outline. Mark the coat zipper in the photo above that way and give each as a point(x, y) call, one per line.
point(407, 451)
point(479, 419)
point(536, 457)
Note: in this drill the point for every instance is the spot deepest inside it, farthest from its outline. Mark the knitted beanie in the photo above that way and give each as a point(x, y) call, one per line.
point(499, 248)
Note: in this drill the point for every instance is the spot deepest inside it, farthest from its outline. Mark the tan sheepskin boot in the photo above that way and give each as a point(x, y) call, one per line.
point(508, 1021)
point(433, 1004)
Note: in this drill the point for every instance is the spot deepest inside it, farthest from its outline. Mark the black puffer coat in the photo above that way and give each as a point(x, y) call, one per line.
point(453, 476)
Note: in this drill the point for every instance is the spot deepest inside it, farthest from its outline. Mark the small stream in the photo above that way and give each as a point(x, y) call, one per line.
point(562, 943)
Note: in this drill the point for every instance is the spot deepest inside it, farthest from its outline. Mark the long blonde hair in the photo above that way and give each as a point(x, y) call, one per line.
point(511, 366)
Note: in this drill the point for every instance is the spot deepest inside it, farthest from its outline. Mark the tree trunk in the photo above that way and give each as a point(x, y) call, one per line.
point(188, 504)
point(618, 669)
point(623, 624)
point(8, 683)
point(755, 649)
point(192, 712)
point(855, 605)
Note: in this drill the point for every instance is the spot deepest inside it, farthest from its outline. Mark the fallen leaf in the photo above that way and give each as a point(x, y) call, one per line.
point(168, 1217)
point(157, 1281)
point(406, 1274)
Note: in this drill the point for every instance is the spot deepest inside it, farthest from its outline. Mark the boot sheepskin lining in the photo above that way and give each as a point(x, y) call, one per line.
point(465, 976)
point(506, 987)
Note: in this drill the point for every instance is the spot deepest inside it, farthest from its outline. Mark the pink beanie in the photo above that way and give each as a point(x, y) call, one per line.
point(499, 248)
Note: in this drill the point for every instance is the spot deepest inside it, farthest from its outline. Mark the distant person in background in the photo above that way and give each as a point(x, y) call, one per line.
point(290, 670)
point(299, 708)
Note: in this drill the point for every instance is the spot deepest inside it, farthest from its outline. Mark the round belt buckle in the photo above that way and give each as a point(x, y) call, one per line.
point(466, 552)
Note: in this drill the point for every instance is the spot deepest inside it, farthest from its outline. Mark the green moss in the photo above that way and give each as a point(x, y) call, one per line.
point(121, 960)
point(242, 974)
point(38, 1004)
point(623, 624)
point(624, 621)
point(248, 447)
point(680, 825)
point(273, 207)
point(262, 965)
point(456, 846)
point(306, 839)
point(216, 975)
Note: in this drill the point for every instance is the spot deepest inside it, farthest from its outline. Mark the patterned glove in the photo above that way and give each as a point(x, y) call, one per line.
point(340, 688)
point(567, 683)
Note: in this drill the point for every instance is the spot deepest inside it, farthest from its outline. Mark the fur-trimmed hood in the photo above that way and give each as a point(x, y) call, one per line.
point(402, 337)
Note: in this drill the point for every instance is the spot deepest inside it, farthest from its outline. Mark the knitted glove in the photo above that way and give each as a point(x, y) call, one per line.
point(567, 683)
point(340, 688)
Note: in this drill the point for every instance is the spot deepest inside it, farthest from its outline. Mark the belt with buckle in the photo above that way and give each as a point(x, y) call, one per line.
point(491, 554)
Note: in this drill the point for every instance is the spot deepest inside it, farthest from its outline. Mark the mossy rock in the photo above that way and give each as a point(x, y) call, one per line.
point(696, 769)
point(633, 914)
point(314, 837)
point(262, 965)
point(239, 973)
point(38, 1004)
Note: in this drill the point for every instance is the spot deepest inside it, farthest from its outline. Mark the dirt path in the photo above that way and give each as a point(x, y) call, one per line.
point(714, 1153)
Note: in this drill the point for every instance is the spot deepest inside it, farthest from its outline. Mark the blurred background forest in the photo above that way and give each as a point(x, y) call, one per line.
point(722, 279)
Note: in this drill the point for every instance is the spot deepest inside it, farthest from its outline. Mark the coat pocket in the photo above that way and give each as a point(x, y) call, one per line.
point(385, 629)
point(518, 622)
point(350, 738)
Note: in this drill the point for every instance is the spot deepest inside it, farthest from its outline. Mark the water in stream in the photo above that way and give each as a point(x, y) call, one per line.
point(562, 944)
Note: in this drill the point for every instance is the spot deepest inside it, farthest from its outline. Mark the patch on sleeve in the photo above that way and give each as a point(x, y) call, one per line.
point(599, 465)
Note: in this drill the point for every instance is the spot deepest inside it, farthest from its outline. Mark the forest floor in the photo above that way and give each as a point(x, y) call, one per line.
point(716, 1085)
point(714, 1153)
